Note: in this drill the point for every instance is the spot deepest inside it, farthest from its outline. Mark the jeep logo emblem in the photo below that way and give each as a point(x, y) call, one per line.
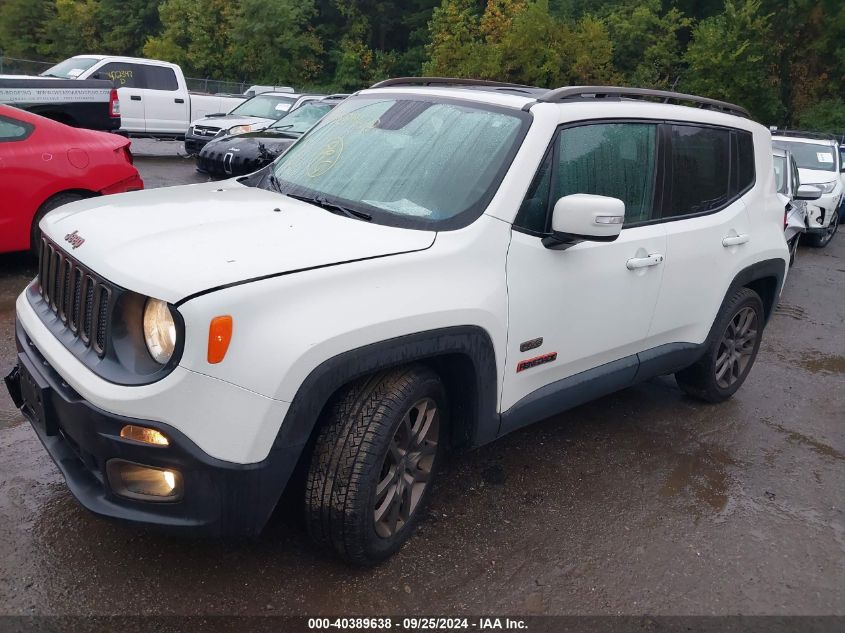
point(74, 239)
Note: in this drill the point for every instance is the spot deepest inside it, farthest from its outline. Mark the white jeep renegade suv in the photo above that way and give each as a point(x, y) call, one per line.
point(435, 264)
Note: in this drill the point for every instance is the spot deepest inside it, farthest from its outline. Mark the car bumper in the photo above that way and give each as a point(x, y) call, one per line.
point(193, 144)
point(221, 497)
point(228, 164)
point(825, 207)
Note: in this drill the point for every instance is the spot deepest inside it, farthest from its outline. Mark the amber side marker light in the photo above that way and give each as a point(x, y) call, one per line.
point(219, 336)
point(144, 434)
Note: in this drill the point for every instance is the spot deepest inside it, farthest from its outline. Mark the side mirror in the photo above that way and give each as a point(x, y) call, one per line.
point(585, 217)
point(808, 192)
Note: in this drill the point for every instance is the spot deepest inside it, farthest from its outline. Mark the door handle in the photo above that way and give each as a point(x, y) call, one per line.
point(178, 100)
point(644, 262)
point(735, 240)
point(135, 98)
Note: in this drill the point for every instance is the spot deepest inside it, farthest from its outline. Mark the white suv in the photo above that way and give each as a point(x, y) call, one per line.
point(435, 264)
point(819, 164)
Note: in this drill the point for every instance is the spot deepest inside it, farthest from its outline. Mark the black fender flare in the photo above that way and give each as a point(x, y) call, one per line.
point(471, 342)
point(763, 269)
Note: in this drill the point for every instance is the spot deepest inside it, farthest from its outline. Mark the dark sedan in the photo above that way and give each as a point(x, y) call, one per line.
point(245, 153)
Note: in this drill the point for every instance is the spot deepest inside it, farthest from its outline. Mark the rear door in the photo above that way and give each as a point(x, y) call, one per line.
point(167, 106)
point(129, 80)
point(708, 170)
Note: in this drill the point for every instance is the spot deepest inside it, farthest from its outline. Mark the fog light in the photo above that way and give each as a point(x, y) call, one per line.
point(146, 483)
point(144, 434)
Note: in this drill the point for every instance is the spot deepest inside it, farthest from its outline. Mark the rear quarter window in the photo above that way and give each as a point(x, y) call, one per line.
point(11, 130)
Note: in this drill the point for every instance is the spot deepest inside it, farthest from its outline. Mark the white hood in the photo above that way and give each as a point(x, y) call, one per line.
point(231, 120)
point(173, 242)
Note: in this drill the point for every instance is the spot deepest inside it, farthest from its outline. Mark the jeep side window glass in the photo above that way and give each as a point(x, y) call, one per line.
point(745, 148)
point(610, 159)
point(699, 170)
point(534, 212)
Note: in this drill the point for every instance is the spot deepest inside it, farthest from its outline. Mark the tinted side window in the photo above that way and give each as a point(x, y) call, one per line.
point(11, 130)
point(160, 78)
point(699, 169)
point(533, 214)
point(123, 75)
point(609, 159)
point(746, 169)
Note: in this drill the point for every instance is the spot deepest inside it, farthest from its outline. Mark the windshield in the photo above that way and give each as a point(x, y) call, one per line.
point(303, 118)
point(265, 106)
point(405, 161)
point(780, 173)
point(70, 68)
point(811, 155)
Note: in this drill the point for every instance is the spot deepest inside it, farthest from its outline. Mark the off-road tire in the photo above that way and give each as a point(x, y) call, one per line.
point(700, 379)
point(358, 429)
point(52, 203)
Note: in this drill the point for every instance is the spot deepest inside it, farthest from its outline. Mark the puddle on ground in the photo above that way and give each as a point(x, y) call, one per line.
point(823, 363)
point(703, 475)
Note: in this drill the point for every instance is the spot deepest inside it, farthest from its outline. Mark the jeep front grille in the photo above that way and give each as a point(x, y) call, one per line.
point(79, 298)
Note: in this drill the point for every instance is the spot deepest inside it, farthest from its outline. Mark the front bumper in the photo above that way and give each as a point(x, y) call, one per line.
point(193, 144)
point(220, 498)
point(225, 163)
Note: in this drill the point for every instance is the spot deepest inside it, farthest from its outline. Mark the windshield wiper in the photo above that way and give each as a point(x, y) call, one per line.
point(274, 182)
point(331, 206)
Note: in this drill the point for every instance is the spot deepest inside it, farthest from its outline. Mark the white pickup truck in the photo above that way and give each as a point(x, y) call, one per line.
point(154, 97)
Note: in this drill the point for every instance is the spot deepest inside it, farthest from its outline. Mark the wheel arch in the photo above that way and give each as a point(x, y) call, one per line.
point(463, 357)
point(765, 278)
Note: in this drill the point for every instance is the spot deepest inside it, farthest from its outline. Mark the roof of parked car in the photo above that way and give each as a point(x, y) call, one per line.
point(815, 138)
point(506, 92)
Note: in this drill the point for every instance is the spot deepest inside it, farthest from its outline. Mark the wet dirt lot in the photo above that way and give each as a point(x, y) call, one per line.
point(642, 502)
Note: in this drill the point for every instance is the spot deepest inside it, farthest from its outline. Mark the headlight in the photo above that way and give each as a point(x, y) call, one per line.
point(826, 187)
point(241, 129)
point(159, 330)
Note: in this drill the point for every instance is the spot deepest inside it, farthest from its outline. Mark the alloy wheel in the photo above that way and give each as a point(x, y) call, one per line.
point(407, 467)
point(736, 347)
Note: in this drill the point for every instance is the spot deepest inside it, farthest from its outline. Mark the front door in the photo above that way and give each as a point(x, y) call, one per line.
point(129, 82)
point(588, 307)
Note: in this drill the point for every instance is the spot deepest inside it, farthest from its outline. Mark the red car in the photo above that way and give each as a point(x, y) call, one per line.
point(45, 164)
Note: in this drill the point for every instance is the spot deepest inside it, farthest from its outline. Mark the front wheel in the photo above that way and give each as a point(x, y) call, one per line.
point(823, 239)
point(729, 357)
point(373, 463)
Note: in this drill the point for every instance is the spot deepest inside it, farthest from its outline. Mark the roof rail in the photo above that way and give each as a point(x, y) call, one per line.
point(446, 81)
point(615, 92)
point(820, 136)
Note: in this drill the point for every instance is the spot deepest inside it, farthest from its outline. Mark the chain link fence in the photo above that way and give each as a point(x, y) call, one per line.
point(17, 66)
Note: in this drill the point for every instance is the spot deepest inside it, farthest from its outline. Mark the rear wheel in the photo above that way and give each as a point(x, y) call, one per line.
point(373, 463)
point(53, 203)
point(729, 357)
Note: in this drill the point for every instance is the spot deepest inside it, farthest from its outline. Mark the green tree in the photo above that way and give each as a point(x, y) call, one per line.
point(827, 115)
point(74, 28)
point(647, 43)
point(22, 27)
point(729, 58)
point(455, 30)
point(197, 35)
point(272, 41)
